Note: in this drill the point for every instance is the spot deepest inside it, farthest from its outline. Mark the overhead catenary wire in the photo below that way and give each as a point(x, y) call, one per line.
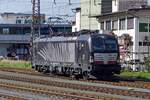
point(70, 2)
point(60, 9)
point(8, 5)
point(56, 3)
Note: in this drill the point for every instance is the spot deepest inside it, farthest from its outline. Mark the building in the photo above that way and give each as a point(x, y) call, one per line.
point(15, 34)
point(125, 18)
point(91, 8)
point(18, 18)
point(58, 24)
point(134, 24)
point(76, 25)
point(99, 7)
point(122, 5)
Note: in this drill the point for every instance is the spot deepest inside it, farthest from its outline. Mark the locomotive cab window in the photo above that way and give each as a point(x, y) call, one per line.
point(98, 43)
point(110, 44)
point(101, 44)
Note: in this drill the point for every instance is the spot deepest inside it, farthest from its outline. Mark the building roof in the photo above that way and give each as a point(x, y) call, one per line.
point(130, 12)
point(29, 25)
point(11, 13)
point(78, 9)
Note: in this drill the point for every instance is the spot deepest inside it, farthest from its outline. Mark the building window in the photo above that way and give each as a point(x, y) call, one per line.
point(115, 2)
point(97, 2)
point(140, 43)
point(18, 21)
point(146, 43)
point(130, 23)
point(29, 21)
point(5, 30)
point(108, 25)
point(25, 21)
point(115, 24)
point(122, 24)
point(75, 29)
point(102, 25)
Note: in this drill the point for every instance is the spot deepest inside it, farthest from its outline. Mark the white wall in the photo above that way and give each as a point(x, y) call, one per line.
point(11, 19)
point(8, 20)
point(144, 19)
point(136, 38)
point(76, 27)
point(148, 2)
point(134, 33)
point(78, 15)
point(115, 5)
point(127, 4)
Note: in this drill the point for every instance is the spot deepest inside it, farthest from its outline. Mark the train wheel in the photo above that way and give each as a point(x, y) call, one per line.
point(39, 69)
point(85, 75)
point(46, 70)
point(33, 67)
point(36, 68)
point(73, 77)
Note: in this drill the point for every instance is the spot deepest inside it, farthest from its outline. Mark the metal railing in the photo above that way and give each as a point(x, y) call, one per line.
point(14, 38)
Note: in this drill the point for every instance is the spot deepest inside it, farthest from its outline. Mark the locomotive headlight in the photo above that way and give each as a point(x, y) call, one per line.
point(91, 60)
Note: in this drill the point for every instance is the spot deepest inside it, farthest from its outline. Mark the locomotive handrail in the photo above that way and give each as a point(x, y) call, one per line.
point(67, 34)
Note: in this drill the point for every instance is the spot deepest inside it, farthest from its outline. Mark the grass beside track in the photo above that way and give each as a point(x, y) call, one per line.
point(27, 65)
point(138, 75)
point(15, 64)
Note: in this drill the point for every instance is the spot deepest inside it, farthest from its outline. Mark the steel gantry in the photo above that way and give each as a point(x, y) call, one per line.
point(36, 25)
point(36, 18)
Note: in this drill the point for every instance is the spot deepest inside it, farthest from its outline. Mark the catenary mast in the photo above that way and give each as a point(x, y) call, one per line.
point(36, 24)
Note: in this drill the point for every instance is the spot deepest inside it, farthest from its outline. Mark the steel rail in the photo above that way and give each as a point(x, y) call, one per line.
point(54, 92)
point(120, 82)
point(145, 94)
point(6, 96)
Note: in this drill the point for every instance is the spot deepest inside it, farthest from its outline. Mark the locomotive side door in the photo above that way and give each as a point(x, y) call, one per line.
point(83, 53)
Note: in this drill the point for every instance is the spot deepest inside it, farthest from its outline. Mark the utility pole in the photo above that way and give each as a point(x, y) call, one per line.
point(36, 18)
point(148, 35)
point(90, 14)
point(36, 25)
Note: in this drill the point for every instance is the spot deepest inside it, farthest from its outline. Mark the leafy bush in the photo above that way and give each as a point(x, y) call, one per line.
point(147, 63)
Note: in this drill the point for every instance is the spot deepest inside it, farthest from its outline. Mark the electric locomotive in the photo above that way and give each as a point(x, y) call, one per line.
point(84, 53)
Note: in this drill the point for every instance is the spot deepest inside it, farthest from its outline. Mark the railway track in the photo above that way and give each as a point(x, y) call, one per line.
point(56, 91)
point(10, 97)
point(23, 93)
point(85, 87)
point(115, 81)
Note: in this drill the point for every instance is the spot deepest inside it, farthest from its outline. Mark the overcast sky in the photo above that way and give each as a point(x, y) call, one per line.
point(48, 7)
point(62, 7)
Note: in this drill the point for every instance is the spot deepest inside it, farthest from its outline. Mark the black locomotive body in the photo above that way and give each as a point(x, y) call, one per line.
point(84, 54)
